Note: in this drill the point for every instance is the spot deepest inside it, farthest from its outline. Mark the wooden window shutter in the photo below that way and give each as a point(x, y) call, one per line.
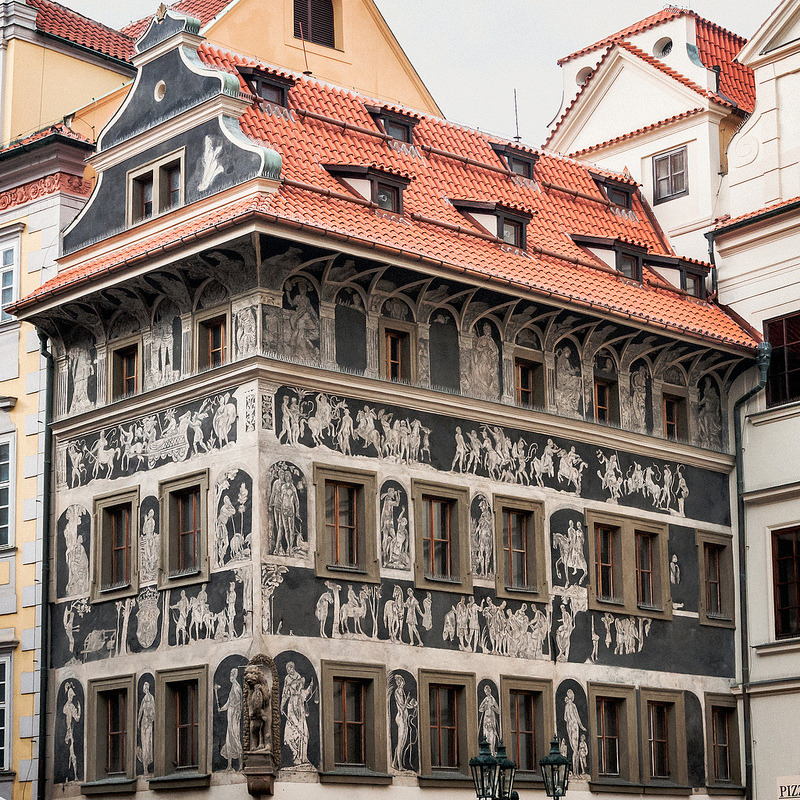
point(316, 19)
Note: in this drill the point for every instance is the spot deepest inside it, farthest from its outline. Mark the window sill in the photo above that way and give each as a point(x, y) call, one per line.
point(529, 780)
point(789, 645)
point(731, 789)
point(716, 622)
point(617, 785)
point(354, 775)
point(180, 780)
point(109, 786)
point(113, 593)
point(656, 786)
point(445, 780)
point(7, 775)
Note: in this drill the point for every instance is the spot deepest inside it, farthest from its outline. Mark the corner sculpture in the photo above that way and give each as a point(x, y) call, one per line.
point(261, 725)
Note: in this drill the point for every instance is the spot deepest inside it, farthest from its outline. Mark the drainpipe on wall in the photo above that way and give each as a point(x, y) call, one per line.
point(44, 640)
point(714, 279)
point(762, 362)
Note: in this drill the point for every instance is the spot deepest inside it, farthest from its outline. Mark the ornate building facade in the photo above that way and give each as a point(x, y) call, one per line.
point(373, 435)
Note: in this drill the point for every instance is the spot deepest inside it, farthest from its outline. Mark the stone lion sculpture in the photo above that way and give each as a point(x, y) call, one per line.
point(258, 695)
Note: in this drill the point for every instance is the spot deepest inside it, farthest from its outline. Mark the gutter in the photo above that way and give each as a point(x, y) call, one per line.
point(762, 362)
point(44, 641)
point(125, 66)
point(743, 223)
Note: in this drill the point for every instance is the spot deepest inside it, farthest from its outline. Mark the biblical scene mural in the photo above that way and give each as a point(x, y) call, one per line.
point(300, 712)
point(403, 717)
point(394, 536)
point(287, 510)
point(233, 501)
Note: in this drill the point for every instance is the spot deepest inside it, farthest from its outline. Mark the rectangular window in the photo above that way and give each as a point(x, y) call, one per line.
point(722, 741)
point(143, 198)
point(6, 493)
point(519, 543)
point(783, 334)
point(125, 366)
point(443, 702)
point(271, 93)
point(118, 522)
point(349, 723)
point(437, 533)
point(6, 683)
point(9, 277)
point(527, 718)
point(664, 736)
point(720, 731)
point(658, 739)
point(314, 22)
point(397, 130)
point(171, 186)
point(155, 188)
point(606, 561)
point(618, 196)
point(608, 736)
point(346, 523)
point(669, 175)
point(518, 549)
point(386, 196)
point(529, 383)
point(212, 341)
point(522, 729)
point(786, 579)
point(674, 410)
point(521, 166)
point(511, 232)
point(115, 573)
point(110, 729)
point(713, 561)
point(645, 590)
point(116, 703)
point(693, 285)
point(613, 734)
point(630, 266)
point(604, 401)
point(186, 712)
point(184, 523)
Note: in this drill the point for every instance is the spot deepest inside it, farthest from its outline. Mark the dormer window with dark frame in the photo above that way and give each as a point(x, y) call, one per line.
point(619, 194)
point(271, 88)
point(385, 189)
point(394, 123)
point(516, 160)
point(693, 284)
point(510, 226)
point(629, 265)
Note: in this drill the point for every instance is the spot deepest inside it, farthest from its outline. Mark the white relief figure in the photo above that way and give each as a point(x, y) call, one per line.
point(224, 419)
point(246, 332)
point(571, 556)
point(405, 721)
point(611, 477)
point(568, 384)
point(570, 468)
point(297, 694)
point(630, 634)
point(674, 570)
point(572, 720)
point(544, 464)
point(354, 608)
point(334, 589)
point(708, 416)
point(427, 615)
point(76, 557)
point(103, 456)
point(76, 453)
point(72, 715)
point(473, 625)
point(639, 399)
point(595, 644)
point(607, 620)
point(461, 452)
point(162, 367)
point(303, 322)
point(231, 749)
point(565, 629)
point(124, 609)
point(413, 612)
point(489, 713)
point(182, 609)
point(390, 500)
point(284, 514)
point(682, 490)
point(148, 559)
point(366, 430)
point(146, 719)
point(398, 549)
point(211, 164)
point(271, 579)
point(82, 368)
point(583, 755)
point(483, 540)
point(485, 365)
point(393, 614)
point(345, 434)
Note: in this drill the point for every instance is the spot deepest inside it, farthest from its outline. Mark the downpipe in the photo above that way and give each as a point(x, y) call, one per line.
point(763, 357)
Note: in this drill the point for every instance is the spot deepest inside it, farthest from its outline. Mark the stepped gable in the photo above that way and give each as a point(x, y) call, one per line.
point(431, 229)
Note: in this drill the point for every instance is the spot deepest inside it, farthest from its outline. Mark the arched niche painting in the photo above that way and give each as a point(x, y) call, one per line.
point(489, 714)
point(403, 702)
point(350, 324)
point(486, 361)
point(300, 712)
point(394, 526)
point(444, 351)
point(68, 737)
point(165, 346)
point(709, 416)
point(638, 411)
point(395, 308)
point(81, 372)
point(145, 724)
point(569, 544)
point(124, 325)
point(212, 294)
point(233, 509)
point(149, 542)
point(227, 750)
point(568, 381)
point(481, 529)
point(572, 726)
point(72, 549)
point(287, 510)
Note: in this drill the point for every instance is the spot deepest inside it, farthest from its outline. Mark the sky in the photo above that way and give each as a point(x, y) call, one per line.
point(473, 54)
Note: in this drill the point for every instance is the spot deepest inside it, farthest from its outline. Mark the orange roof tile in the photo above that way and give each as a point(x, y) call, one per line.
point(554, 266)
point(57, 20)
point(204, 10)
point(726, 222)
point(58, 129)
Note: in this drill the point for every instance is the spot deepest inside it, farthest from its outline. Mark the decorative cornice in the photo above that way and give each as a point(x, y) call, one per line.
point(59, 182)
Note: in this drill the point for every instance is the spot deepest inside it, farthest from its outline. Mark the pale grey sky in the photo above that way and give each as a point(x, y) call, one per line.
point(472, 54)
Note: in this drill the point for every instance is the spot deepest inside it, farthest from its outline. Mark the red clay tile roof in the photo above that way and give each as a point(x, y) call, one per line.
point(59, 129)
point(57, 20)
point(204, 10)
point(431, 229)
point(725, 222)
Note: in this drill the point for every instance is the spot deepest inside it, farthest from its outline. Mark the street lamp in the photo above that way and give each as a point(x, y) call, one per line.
point(506, 771)
point(492, 777)
point(555, 771)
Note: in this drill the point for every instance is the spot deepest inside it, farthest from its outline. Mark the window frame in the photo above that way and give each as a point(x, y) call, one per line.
point(255, 78)
point(376, 770)
point(200, 326)
point(774, 534)
point(612, 388)
point(155, 169)
point(10, 439)
point(96, 732)
point(387, 325)
point(377, 181)
point(164, 732)
point(465, 685)
point(676, 723)
point(368, 570)
point(726, 619)
point(620, 253)
point(628, 736)
point(784, 349)
point(504, 215)
point(7, 710)
point(100, 541)
point(532, 359)
point(678, 396)
point(626, 593)
point(166, 490)
point(716, 785)
point(537, 562)
point(460, 580)
point(116, 382)
point(544, 721)
point(11, 239)
point(672, 195)
point(305, 35)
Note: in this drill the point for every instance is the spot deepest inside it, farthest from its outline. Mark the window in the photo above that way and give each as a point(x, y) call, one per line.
point(786, 579)
point(181, 754)
point(125, 371)
point(9, 273)
point(448, 724)
point(212, 341)
point(346, 523)
point(115, 572)
point(519, 535)
point(628, 566)
point(613, 735)
point(527, 716)
point(512, 230)
point(784, 369)
point(110, 723)
point(155, 188)
point(675, 424)
point(386, 196)
point(606, 401)
point(630, 265)
point(692, 284)
point(618, 196)
point(314, 22)
point(520, 162)
point(663, 737)
point(6, 717)
point(529, 383)
point(722, 741)
point(354, 722)
point(398, 350)
point(397, 130)
point(521, 166)
point(7, 497)
point(608, 736)
point(715, 554)
point(268, 86)
point(185, 526)
point(442, 543)
point(669, 175)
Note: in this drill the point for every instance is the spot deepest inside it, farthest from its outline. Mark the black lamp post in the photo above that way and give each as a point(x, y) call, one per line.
point(555, 771)
point(506, 772)
point(484, 772)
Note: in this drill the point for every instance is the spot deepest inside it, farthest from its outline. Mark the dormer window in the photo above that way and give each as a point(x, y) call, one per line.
point(394, 123)
point(386, 196)
point(382, 188)
point(397, 130)
point(510, 226)
point(693, 284)
point(521, 166)
point(518, 161)
point(629, 264)
point(155, 188)
point(272, 88)
point(511, 231)
point(620, 194)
